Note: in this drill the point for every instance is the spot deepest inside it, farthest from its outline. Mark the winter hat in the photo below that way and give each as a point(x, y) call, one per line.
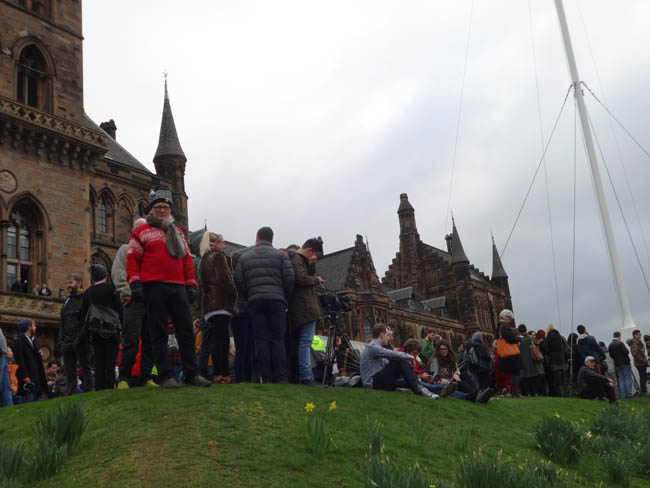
point(477, 337)
point(160, 194)
point(590, 358)
point(23, 325)
point(97, 273)
point(506, 313)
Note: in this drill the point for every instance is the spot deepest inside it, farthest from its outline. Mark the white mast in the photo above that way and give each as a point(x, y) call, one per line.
point(628, 322)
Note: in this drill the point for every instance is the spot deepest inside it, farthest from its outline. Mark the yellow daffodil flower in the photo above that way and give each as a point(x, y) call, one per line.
point(309, 407)
point(333, 406)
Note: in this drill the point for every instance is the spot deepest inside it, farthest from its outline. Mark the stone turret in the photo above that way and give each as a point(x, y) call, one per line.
point(499, 275)
point(170, 162)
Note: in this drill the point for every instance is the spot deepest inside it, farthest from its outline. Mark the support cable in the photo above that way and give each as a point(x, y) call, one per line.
point(548, 195)
point(460, 109)
point(618, 202)
point(539, 165)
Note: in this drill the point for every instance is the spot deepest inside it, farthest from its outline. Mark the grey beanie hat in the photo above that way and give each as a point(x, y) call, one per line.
point(160, 194)
point(477, 337)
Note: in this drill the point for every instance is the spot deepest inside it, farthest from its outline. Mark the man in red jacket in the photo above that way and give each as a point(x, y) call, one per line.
point(159, 270)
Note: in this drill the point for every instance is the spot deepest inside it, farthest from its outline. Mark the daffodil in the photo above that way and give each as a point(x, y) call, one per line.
point(309, 407)
point(333, 406)
point(557, 415)
point(588, 435)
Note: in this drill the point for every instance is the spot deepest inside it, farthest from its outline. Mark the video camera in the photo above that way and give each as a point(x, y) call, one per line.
point(331, 302)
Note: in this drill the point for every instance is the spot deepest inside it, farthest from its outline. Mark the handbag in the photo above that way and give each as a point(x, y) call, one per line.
point(507, 350)
point(535, 353)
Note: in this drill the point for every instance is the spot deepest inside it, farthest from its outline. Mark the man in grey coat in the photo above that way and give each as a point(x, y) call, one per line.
point(134, 328)
point(264, 277)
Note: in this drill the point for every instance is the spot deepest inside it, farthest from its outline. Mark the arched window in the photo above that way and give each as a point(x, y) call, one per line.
point(33, 80)
point(101, 216)
point(24, 245)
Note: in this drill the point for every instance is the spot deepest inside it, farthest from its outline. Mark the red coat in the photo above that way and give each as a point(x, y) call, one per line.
point(147, 259)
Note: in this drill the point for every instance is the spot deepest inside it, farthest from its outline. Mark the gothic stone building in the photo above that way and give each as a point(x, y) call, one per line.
point(424, 287)
point(68, 190)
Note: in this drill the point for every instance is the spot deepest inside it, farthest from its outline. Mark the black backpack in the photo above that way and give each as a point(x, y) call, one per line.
point(103, 321)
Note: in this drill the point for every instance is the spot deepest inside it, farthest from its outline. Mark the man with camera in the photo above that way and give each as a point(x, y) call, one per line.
point(264, 277)
point(384, 369)
point(304, 309)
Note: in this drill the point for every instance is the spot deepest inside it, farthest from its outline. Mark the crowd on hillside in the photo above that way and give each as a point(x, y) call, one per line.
point(137, 329)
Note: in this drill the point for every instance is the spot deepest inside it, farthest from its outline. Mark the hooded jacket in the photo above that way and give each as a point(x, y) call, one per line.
point(303, 304)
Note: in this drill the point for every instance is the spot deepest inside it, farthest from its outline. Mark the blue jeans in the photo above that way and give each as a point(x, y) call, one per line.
point(5, 384)
point(624, 376)
point(305, 338)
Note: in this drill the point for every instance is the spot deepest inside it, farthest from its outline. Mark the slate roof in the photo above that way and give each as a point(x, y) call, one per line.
point(333, 268)
point(443, 254)
point(497, 265)
point(457, 252)
point(434, 303)
point(168, 143)
point(401, 294)
point(115, 152)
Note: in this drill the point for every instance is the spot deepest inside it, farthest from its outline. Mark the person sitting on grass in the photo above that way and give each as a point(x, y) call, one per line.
point(381, 368)
point(593, 385)
point(447, 376)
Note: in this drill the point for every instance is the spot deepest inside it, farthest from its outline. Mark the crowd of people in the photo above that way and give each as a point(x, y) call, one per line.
point(165, 317)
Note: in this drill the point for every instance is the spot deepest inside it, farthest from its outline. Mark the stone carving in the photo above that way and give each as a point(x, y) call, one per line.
point(8, 183)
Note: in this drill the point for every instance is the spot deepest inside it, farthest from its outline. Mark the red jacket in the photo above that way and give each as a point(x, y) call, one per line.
point(147, 259)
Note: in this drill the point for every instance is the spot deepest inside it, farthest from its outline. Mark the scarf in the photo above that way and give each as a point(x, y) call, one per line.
point(173, 240)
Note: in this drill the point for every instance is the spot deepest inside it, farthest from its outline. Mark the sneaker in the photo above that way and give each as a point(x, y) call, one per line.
point(449, 389)
point(151, 384)
point(122, 385)
point(169, 384)
point(485, 395)
point(198, 380)
point(426, 393)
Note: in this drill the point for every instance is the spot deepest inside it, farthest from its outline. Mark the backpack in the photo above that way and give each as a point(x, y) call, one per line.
point(475, 362)
point(103, 321)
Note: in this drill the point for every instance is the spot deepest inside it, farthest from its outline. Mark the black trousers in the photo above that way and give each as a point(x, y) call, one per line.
point(643, 378)
point(134, 330)
point(105, 357)
point(387, 378)
point(599, 390)
point(215, 342)
point(164, 300)
point(269, 319)
point(73, 356)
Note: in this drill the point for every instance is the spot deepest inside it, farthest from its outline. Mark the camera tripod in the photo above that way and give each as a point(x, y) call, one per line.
point(330, 351)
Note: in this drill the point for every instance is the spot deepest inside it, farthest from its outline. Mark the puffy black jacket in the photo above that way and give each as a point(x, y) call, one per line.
point(71, 321)
point(264, 273)
point(555, 349)
point(588, 377)
point(619, 353)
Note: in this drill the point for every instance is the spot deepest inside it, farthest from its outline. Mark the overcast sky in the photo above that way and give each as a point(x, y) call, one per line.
point(313, 117)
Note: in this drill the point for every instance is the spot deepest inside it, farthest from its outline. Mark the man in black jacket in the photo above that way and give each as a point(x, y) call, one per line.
point(74, 347)
point(621, 357)
point(593, 385)
point(31, 373)
point(264, 277)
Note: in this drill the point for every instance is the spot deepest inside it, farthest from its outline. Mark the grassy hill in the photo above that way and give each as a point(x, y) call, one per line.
point(254, 435)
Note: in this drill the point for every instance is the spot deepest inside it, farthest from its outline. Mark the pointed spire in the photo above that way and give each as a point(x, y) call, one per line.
point(497, 266)
point(457, 252)
point(168, 143)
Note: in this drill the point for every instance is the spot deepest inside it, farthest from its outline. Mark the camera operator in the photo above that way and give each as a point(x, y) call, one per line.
point(304, 309)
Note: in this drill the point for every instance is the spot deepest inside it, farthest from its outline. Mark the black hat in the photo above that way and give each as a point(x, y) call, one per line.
point(160, 194)
point(97, 273)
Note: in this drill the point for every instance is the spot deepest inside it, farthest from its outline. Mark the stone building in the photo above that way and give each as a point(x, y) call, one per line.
point(68, 190)
point(424, 287)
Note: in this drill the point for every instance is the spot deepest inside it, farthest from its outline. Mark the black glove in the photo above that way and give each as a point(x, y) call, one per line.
point(191, 294)
point(137, 293)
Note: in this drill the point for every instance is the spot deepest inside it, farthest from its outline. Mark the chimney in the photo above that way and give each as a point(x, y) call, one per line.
point(110, 128)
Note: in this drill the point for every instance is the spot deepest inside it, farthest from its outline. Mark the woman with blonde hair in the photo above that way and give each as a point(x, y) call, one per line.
point(556, 353)
point(218, 304)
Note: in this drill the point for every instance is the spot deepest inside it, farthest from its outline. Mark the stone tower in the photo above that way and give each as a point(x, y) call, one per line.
point(170, 162)
point(499, 275)
point(408, 241)
point(461, 269)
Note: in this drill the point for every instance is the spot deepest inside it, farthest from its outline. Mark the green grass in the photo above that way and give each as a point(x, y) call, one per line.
point(254, 435)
